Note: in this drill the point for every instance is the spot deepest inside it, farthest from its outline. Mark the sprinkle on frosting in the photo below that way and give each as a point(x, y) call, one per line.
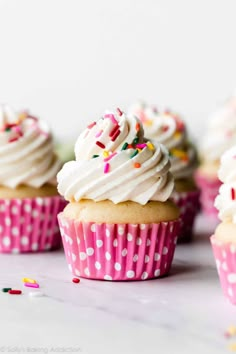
point(26, 150)
point(169, 129)
point(123, 166)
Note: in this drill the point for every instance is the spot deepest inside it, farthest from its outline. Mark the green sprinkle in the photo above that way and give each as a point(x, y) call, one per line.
point(8, 129)
point(5, 290)
point(94, 156)
point(134, 154)
point(135, 141)
point(124, 147)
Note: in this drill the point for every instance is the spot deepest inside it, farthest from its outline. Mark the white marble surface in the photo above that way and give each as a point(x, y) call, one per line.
point(183, 313)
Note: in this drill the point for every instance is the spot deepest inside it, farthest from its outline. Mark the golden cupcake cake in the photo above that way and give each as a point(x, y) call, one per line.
point(169, 129)
point(119, 223)
point(29, 201)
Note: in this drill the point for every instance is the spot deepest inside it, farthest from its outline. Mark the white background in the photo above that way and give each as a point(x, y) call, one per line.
point(69, 60)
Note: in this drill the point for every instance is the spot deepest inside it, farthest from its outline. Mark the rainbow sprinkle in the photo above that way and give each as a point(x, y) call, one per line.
point(232, 194)
point(119, 112)
point(111, 117)
point(106, 167)
point(99, 134)
point(91, 125)
point(134, 153)
point(101, 145)
point(110, 157)
point(150, 146)
point(124, 147)
point(137, 165)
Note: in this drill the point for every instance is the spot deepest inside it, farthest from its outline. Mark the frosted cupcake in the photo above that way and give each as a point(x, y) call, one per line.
point(29, 201)
point(220, 136)
point(119, 223)
point(169, 129)
point(224, 239)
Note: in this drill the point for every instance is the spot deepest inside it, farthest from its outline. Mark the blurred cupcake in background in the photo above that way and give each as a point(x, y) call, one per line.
point(169, 129)
point(119, 223)
point(29, 201)
point(224, 240)
point(220, 136)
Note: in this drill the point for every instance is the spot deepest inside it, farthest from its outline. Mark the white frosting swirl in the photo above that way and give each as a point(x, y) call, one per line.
point(119, 173)
point(225, 202)
point(221, 132)
point(167, 128)
point(26, 150)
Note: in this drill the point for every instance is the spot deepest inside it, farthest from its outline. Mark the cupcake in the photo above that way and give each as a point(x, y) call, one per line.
point(220, 136)
point(119, 223)
point(169, 129)
point(29, 201)
point(224, 240)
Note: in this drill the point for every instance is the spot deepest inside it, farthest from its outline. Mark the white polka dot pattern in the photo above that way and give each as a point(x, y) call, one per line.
point(30, 225)
point(119, 252)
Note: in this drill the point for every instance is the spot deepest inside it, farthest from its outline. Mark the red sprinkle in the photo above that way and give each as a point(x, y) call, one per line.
point(137, 127)
point(165, 128)
point(76, 280)
point(91, 125)
point(15, 292)
point(117, 133)
point(114, 130)
point(106, 168)
point(119, 111)
point(232, 194)
point(130, 146)
point(101, 145)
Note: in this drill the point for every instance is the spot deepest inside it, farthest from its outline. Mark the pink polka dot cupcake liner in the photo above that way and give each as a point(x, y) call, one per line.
point(118, 252)
point(30, 224)
point(209, 190)
point(225, 257)
point(189, 205)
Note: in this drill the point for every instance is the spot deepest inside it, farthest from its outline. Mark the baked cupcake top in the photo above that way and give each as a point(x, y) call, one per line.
point(26, 150)
point(221, 132)
point(225, 202)
point(114, 162)
point(168, 128)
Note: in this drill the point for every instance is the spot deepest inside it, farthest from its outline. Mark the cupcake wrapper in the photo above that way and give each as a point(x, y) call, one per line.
point(225, 257)
point(209, 190)
point(189, 205)
point(118, 251)
point(30, 224)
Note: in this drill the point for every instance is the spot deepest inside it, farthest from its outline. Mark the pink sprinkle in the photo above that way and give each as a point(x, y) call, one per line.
point(119, 111)
point(91, 125)
point(111, 117)
point(32, 285)
point(110, 157)
point(99, 134)
point(106, 168)
point(141, 146)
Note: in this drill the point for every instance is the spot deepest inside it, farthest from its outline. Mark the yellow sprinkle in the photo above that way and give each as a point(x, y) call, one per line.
point(139, 150)
point(29, 280)
point(105, 153)
point(150, 146)
point(22, 116)
point(231, 330)
point(232, 347)
point(148, 122)
point(179, 153)
point(177, 135)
